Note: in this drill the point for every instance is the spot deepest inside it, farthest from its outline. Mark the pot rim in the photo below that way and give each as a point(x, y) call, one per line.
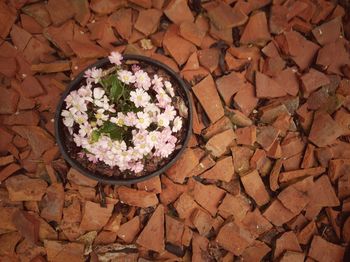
point(115, 180)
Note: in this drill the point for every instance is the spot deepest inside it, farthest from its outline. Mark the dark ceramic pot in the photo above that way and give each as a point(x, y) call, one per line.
point(76, 83)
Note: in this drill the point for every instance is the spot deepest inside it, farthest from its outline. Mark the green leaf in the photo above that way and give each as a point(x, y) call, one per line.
point(95, 136)
point(116, 90)
point(115, 132)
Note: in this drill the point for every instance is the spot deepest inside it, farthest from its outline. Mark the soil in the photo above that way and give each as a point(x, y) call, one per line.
point(151, 164)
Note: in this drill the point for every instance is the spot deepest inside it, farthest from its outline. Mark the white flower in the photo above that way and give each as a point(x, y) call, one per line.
point(68, 119)
point(120, 120)
point(130, 119)
point(163, 100)
point(153, 138)
point(80, 117)
point(143, 120)
point(85, 129)
point(143, 148)
point(142, 80)
point(101, 117)
point(98, 93)
point(139, 136)
point(157, 82)
point(139, 97)
point(94, 74)
point(152, 110)
point(115, 58)
point(126, 76)
point(163, 120)
point(169, 88)
point(177, 124)
point(170, 112)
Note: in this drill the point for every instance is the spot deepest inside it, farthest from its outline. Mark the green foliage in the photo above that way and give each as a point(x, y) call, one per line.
point(113, 86)
point(115, 132)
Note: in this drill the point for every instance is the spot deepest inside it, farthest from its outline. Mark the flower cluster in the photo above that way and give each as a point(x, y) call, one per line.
point(123, 117)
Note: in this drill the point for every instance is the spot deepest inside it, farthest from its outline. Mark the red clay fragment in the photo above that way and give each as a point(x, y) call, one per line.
point(220, 143)
point(293, 199)
point(27, 225)
point(256, 31)
point(277, 214)
point(60, 11)
point(255, 187)
point(95, 217)
point(328, 32)
point(245, 100)
point(87, 49)
point(137, 198)
point(289, 81)
point(202, 221)
point(170, 190)
point(154, 228)
point(291, 175)
point(233, 238)
point(82, 11)
point(256, 252)
point(178, 11)
point(208, 96)
point(301, 50)
point(8, 101)
point(76, 177)
point(52, 203)
point(208, 196)
point(192, 32)
point(287, 242)
point(219, 126)
point(104, 7)
point(229, 85)
point(7, 18)
point(174, 230)
point(322, 250)
point(223, 170)
point(267, 87)
point(23, 188)
point(64, 251)
point(324, 130)
point(304, 235)
point(255, 223)
point(236, 206)
point(128, 231)
point(148, 20)
point(209, 58)
point(8, 66)
point(313, 80)
point(266, 136)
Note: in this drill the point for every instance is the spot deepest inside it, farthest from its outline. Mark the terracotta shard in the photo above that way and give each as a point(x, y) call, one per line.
point(94, 216)
point(256, 30)
point(178, 11)
point(219, 144)
point(322, 250)
point(255, 187)
point(148, 21)
point(267, 87)
point(137, 197)
point(23, 188)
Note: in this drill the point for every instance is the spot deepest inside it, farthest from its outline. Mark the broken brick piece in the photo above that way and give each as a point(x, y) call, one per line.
point(322, 250)
point(136, 197)
point(288, 241)
point(128, 231)
point(233, 238)
point(184, 165)
point(208, 196)
point(60, 11)
point(324, 130)
point(174, 230)
point(185, 205)
point(193, 33)
point(313, 80)
point(304, 235)
point(255, 223)
point(154, 228)
point(328, 32)
point(7, 19)
point(256, 252)
point(291, 175)
point(237, 206)
point(52, 203)
point(256, 31)
point(27, 225)
point(178, 11)
point(241, 156)
point(291, 256)
point(266, 136)
point(148, 20)
point(170, 190)
point(255, 187)
point(245, 100)
point(223, 170)
point(229, 85)
point(202, 221)
point(208, 96)
point(267, 87)
point(9, 170)
point(246, 135)
point(220, 143)
point(76, 177)
point(94, 216)
point(23, 188)
point(64, 251)
point(293, 199)
point(277, 214)
point(238, 118)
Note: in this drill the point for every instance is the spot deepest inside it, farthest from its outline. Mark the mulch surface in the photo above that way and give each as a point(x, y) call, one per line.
point(266, 175)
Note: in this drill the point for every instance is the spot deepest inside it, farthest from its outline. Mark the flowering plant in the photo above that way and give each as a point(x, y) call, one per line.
point(124, 116)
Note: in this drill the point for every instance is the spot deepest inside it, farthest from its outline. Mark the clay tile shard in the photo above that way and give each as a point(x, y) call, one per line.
point(313, 80)
point(104, 7)
point(178, 11)
point(322, 250)
point(222, 16)
point(255, 223)
point(148, 20)
point(291, 175)
point(234, 238)
point(8, 242)
point(64, 251)
point(192, 32)
point(128, 231)
point(136, 197)
point(209, 58)
point(229, 85)
point(52, 203)
point(121, 20)
point(31, 87)
point(208, 96)
point(27, 225)
point(143, 3)
point(39, 12)
point(82, 11)
point(322, 194)
point(245, 100)
point(23, 188)
point(174, 230)
point(267, 87)
point(7, 19)
point(223, 170)
point(95, 217)
point(87, 49)
point(288, 80)
point(333, 56)
point(236, 206)
point(76, 177)
point(20, 37)
point(208, 196)
point(60, 11)
point(154, 228)
point(38, 138)
point(256, 252)
point(219, 126)
point(183, 166)
point(179, 48)
point(266, 136)
point(304, 235)
point(202, 221)
point(220, 143)
point(328, 32)
point(324, 130)
point(277, 214)
point(293, 199)
point(300, 50)
point(256, 31)
point(287, 242)
point(255, 187)
point(170, 190)
point(54, 67)
point(8, 171)
point(8, 66)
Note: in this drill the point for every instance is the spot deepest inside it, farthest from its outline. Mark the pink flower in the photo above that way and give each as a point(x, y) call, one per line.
point(115, 58)
point(94, 74)
point(126, 76)
point(135, 68)
point(163, 120)
point(137, 167)
point(170, 112)
point(140, 97)
point(142, 80)
point(92, 158)
point(163, 100)
point(165, 150)
point(130, 119)
point(177, 124)
point(157, 82)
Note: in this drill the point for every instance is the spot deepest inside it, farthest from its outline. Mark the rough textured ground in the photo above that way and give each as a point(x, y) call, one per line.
point(267, 172)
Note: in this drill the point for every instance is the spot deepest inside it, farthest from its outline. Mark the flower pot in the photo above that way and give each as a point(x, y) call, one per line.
point(76, 83)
